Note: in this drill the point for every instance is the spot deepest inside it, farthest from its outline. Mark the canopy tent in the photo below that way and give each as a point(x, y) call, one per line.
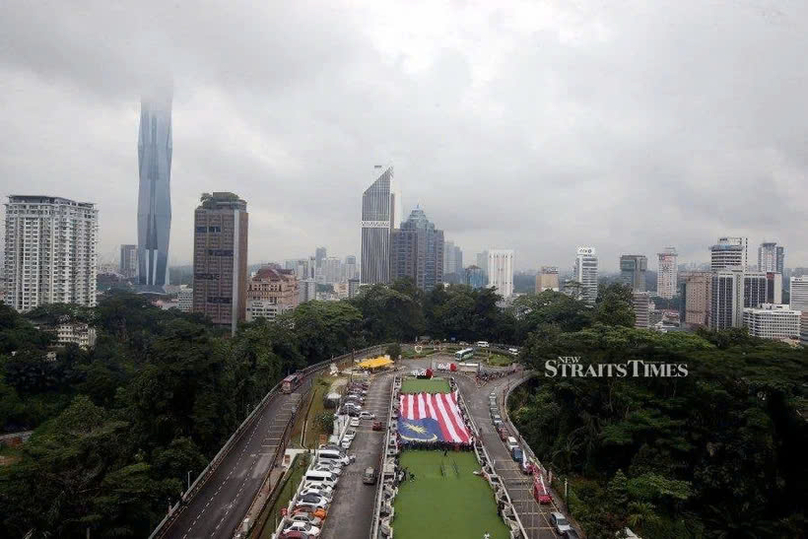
point(376, 362)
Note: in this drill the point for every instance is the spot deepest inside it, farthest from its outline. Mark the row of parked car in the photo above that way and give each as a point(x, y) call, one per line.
point(505, 435)
point(310, 509)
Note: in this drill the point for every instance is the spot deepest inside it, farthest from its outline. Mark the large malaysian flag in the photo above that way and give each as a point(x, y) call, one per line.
point(432, 417)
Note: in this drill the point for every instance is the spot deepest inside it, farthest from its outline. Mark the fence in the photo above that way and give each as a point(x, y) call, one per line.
point(377, 510)
point(175, 510)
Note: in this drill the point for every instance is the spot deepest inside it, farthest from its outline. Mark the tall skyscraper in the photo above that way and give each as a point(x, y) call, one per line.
point(128, 266)
point(667, 273)
point(774, 288)
point(547, 279)
point(695, 293)
point(320, 254)
point(50, 251)
point(727, 298)
point(632, 271)
point(220, 258)
point(378, 219)
point(154, 150)
point(416, 251)
point(586, 273)
point(452, 259)
point(641, 302)
point(482, 262)
point(350, 268)
point(729, 253)
point(755, 289)
point(500, 271)
point(771, 257)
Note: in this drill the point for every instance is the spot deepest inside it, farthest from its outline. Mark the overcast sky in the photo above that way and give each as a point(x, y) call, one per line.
point(539, 125)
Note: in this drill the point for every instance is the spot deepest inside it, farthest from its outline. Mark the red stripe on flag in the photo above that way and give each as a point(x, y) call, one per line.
point(431, 404)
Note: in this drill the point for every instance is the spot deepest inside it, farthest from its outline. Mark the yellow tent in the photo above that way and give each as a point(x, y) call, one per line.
point(376, 362)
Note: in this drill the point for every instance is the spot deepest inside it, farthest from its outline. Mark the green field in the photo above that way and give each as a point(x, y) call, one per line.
point(447, 504)
point(435, 385)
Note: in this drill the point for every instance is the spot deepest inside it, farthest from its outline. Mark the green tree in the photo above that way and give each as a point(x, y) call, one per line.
point(614, 305)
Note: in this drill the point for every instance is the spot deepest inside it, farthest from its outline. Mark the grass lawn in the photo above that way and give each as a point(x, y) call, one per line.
point(435, 385)
point(445, 505)
point(299, 467)
point(314, 429)
point(499, 360)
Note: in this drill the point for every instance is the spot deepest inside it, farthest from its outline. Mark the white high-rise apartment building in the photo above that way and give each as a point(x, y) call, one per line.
point(771, 257)
point(667, 273)
point(729, 253)
point(798, 293)
point(772, 321)
point(50, 251)
point(500, 271)
point(586, 273)
point(727, 299)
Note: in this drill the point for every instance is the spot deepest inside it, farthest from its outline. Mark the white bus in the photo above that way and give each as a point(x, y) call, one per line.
point(464, 354)
point(482, 344)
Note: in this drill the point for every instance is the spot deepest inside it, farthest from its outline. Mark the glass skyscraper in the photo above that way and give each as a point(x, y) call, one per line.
point(154, 151)
point(378, 218)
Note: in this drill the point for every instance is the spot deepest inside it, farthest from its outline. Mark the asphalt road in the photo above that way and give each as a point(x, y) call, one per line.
point(219, 506)
point(351, 513)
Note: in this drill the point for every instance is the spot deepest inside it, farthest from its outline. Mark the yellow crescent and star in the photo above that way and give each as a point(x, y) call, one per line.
point(418, 429)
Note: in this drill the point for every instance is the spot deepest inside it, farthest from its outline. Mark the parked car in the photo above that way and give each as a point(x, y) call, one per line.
point(378, 425)
point(354, 421)
point(307, 517)
point(570, 534)
point(516, 454)
point(346, 443)
point(313, 500)
point(559, 522)
point(369, 477)
point(366, 415)
point(513, 351)
point(294, 534)
point(317, 492)
point(305, 527)
point(318, 512)
point(503, 432)
point(311, 488)
point(350, 435)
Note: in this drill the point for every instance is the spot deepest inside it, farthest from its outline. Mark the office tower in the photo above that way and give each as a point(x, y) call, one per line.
point(798, 293)
point(729, 253)
point(128, 266)
point(770, 321)
point(331, 270)
point(641, 302)
point(695, 294)
point(547, 279)
point(475, 277)
point(416, 251)
point(353, 288)
point(154, 150)
point(220, 258)
point(350, 268)
point(50, 251)
point(727, 299)
point(632, 271)
point(482, 262)
point(774, 288)
point(771, 257)
point(320, 254)
point(185, 299)
point(586, 273)
point(755, 288)
point(271, 292)
point(667, 273)
point(452, 259)
point(307, 290)
point(500, 271)
point(378, 219)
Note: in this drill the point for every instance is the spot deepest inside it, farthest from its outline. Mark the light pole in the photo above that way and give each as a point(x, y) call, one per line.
point(189, 479)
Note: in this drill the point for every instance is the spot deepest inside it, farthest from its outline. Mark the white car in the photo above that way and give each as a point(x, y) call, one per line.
point(307, 517)
point(313, 500)
point(327, 468)
point(318, 491)
point(346, 443)
point(350, 435)
point(354, 422)
point(305, 527)
point(366, 415)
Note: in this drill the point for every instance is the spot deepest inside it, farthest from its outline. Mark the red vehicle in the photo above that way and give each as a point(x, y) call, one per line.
point(540, 490)
point(378, 425)
point(503, 432)
point(291, 382)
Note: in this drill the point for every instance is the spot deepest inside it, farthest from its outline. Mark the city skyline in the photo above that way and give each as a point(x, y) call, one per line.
point(396, 90)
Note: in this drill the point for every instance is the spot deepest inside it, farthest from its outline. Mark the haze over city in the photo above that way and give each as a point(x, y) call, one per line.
point(532, 126)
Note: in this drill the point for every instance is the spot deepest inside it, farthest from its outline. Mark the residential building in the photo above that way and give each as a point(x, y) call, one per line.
point(220, 259)
point(128, 265)
point(378, 218)
point(755, 287)
point(771, 257)
point(77, 333)
point(586, 273)
point(50, 251)
point(641, 301)
point(500, 271)
point(727, 299)
point(729, 253)
point(351, 269)
point(632, 271)
point(798, 293)
point(547, 279)
point(667, 273)
point(154, 149)
point(185, 299)
point(341, 290)
point(271, 292)
point(475, 277)
point(416, 251)
point(695, 296)
point(770, 321)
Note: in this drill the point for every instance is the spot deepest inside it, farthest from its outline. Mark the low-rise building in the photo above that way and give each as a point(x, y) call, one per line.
point(772, 321)
point(271, 292)
point(185, 299)
point(77, 333)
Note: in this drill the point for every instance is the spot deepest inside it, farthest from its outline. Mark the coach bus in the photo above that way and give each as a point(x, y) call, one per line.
point(291, 382)
point(464, 354)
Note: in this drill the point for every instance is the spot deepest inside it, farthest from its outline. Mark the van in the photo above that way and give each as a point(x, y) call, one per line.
point(331, 455)
point(369, 477)
point(482, 344)
point(320, 477)
point(511, 443)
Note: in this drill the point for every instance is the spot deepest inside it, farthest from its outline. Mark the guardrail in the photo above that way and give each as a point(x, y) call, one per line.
point(377, 509)
point(175, 510)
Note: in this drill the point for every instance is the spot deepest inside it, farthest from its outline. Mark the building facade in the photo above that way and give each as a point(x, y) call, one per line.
point(729, 252)
point(351, 269)
point(771, 257)
point(641, 301)
point(185, 299)
point(770, 321)
point(632, 271)
point(547, 279)
point(667, 273)
point(50, 252)
point(774, 287)
point(128, 264)
point(416, 251)
point(798, 293)
point(755, 289)
point(77, 333)
point(475, 277)
point(378, 220)
point(220, 259)
point(727, 299)
point(586, 273)
point(452, 259)
point(695, 291)
point(272, 292)
point(154, 150)
point(308, 290)
point(500, 271)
